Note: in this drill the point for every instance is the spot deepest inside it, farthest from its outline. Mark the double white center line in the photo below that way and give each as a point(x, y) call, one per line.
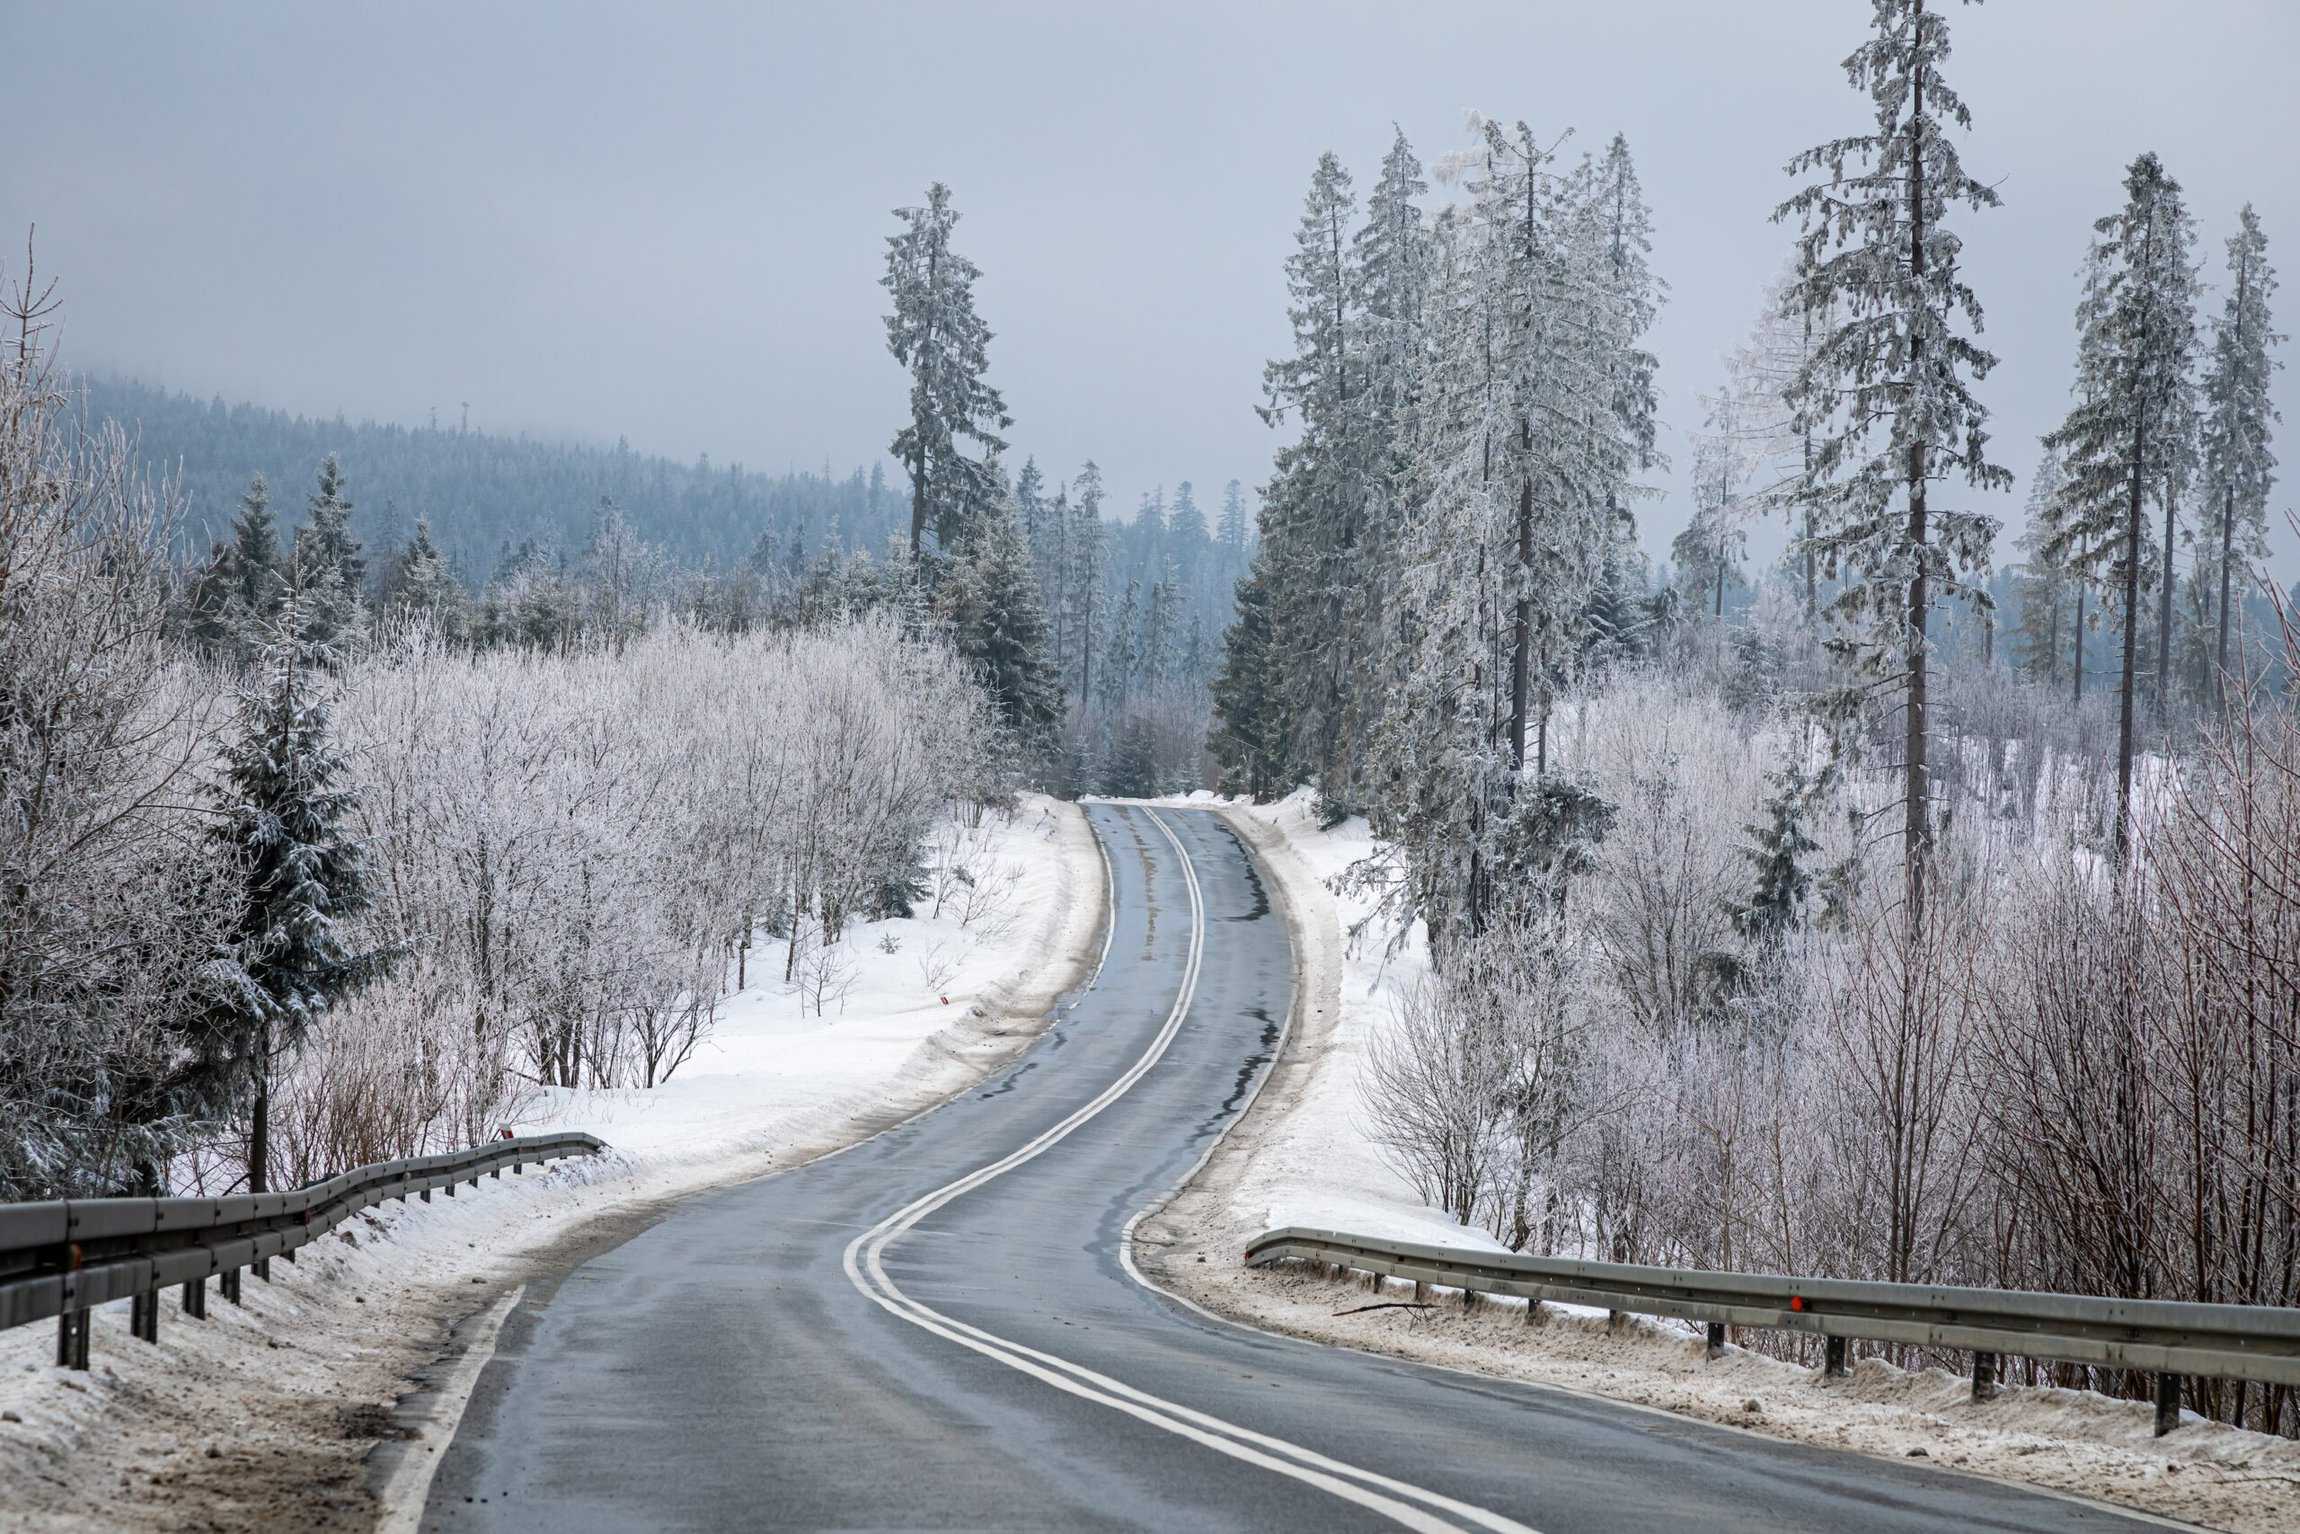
point(1409, 1505)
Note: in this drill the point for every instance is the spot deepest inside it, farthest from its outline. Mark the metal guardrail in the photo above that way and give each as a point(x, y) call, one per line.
point(63, 1257)
point(2170, 1339)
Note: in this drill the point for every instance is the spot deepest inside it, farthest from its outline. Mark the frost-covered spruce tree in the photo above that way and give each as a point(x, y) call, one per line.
point(1728, 457)
point(328, 563)
point(1888, 392)
point(989, 598)
point(1780, 450)
point(284, 813)
point(2239, 469)
point(1244, 737)
point(935, 333)
point(1233, 529)
point(1082, 577)
point(2136, 354)
point(2045, 585)
point(1312, 512)
point(1636, 293)
point(1780, 854)
point(1121, 658)
point(423, 587)
point(241, 591)
point(1557, 441)
point(1391, 255)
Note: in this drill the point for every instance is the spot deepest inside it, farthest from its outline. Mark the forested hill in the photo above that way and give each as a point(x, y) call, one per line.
point(482, 492)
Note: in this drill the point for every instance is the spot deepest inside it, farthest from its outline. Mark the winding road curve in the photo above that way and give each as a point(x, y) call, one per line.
point(937, 1329)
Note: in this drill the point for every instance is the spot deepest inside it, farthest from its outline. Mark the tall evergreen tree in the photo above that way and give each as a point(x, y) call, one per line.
point(284, 811)
point(422, 584)
point(1888, 392)
point(1244, 739)
point(1310, 514)
point(1230, 532)
point(935, 333)
point(1636, 291)
point(2123, 439)
point(989, 597)
point(1082, 577)
point(329, 565)
point(2045, 585)
point(2239, 468)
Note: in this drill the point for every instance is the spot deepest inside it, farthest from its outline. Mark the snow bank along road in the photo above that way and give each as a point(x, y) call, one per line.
point(939, 1328)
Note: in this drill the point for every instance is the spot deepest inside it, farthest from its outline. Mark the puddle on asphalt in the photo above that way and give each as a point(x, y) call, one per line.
point(1253, 878)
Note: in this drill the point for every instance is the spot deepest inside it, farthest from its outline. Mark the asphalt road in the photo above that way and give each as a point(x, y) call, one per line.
point(936, 1330)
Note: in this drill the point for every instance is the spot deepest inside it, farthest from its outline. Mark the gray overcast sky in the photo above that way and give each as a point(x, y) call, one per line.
point(665, 221)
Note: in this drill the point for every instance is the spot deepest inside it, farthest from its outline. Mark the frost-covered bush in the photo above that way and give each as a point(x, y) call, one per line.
point(582, 847)
point(111, 903)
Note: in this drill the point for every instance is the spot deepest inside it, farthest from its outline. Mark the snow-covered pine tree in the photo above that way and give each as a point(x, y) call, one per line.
point(989, 598)
point(1030, 505)
point(1082, 577)
point(935, 333)
point(1231, 531)
point(1243, 737)
point(2239, 469)
point(1391, 256)
point(1728, 460)
point(2136, 350)
point(1312, 509)
point(1636, 292)
point(1780, 853)
point(1186, 540)
point(258, 581)
point(1161, 632)
point(1559, 453)
point(284, 813)
point(1780, 450)
point(1121, 659)
point(328, 563)
point(1888, 393)
point(1050, 557)
point(2045, 585)
point(423, 586)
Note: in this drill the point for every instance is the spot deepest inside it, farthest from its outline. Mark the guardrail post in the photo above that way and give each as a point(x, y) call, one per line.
point(1421, 1292)
point(229, 1284)
point(144, 1315)
point(1716, 1339)
point(2167, 1403)
point(263, 1268)
point(196, 1298)
point(1984, 1376)
point(72, 1338)
point(1833, 1359)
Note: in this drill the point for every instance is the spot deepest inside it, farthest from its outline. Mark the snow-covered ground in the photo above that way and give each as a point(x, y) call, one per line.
point(1303, 1156)
point(264, 1416)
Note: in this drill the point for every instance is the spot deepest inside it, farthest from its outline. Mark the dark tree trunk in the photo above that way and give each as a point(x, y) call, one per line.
point(2164, 606)
point(2126, 685)
point(2227, 577)
point(260, 1120)
point(1916, 816)
point(2078, 652)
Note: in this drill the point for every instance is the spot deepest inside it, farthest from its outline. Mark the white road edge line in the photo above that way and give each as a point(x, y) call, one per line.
point(407, 1489)
point(865, 1270)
